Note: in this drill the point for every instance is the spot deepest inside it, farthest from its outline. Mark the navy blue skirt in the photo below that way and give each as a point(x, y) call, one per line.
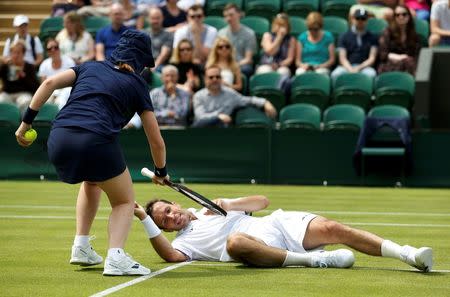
point(81, 155)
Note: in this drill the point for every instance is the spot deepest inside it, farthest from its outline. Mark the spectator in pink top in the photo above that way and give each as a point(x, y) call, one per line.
point(419, 8)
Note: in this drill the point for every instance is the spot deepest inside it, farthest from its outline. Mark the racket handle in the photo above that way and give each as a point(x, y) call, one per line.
point(147, 172)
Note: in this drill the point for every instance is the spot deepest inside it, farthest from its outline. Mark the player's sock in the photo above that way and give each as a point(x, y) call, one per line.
point(81, 240)
point(393, 250)
point(116, 253)
point(297, 259)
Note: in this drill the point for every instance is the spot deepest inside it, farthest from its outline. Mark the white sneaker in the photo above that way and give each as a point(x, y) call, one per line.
point(421, 258)
point(124, 266)
point(341, 258)
point(85, 256)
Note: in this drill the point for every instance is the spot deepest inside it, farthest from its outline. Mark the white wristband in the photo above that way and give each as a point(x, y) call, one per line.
point(150, 227)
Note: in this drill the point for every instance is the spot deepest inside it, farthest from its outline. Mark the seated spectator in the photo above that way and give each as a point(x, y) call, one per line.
point(382, 9)
point(174, 17)
point(171, 103)
point(74, 41)
point(107, 37)
point(419, 8)
point(214, 104)
point(61, 7)
point(278, 48)
point(162, 40)
point(357, 48)
point(315, 47)
point(56, 63)
point(97, 8)
point(222, 55)
point(241, 37)
point(18, 77)
point(201, 35)
point(34, 51)
point(440, 23)
point(399, 46)
point(189, 73)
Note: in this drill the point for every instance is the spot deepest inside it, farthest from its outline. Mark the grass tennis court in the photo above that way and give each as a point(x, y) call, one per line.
point(37, 225)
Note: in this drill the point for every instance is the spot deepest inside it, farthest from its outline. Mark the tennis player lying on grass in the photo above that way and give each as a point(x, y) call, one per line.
point(283, 238)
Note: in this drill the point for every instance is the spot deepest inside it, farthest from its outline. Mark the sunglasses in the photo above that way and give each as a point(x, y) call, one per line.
point(185, 49)
point(361, 19)
point(53, 48)
point(214, 77)
point(314, 29)
point(196, 16)
point(403, 14)
point(227, 46)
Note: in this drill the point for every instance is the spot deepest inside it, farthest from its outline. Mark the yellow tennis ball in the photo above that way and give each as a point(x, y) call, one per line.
point(30, 135)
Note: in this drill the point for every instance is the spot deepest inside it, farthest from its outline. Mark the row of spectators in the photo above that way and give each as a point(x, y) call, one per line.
point(195, 45)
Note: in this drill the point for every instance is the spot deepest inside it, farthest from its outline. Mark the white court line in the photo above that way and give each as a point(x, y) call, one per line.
point(375, 213)
point(347, 223)
point(138, 280)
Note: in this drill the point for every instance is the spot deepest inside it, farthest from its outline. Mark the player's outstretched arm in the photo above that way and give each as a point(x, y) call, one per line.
point(248, 204)
point(160, 243)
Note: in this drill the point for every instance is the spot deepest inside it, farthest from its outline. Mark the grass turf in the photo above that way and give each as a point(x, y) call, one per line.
point(37, 227)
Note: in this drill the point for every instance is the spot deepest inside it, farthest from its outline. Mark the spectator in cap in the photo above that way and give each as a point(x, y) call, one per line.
point(357, 47)
point(34, 51)
point(382, 9)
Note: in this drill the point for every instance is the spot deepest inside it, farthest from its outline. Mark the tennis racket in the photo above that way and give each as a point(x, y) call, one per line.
point(203, 201)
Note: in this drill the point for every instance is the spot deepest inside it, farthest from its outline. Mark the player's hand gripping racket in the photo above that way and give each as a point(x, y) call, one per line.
point(203, 201)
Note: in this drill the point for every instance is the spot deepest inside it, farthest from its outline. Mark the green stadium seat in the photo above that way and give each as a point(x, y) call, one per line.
point(50, 27)
point(244, 80)
point(258, 24)
point(300, 8)
point(9, 114)
point(394, 87)
point(343, 117)
point(251, 117)
point(263, 8)
point(388, 111)
point(298, 25)
point(376, 26)
point(156, 81)
point(93, 24)
point(215, 7)
point(312, 88)
point(47, 113)
point(335, 25)
point(423, 29)
point(300, 116)
point(215, 21)
point(339, 8)
point(353, 88)
point(267, 85)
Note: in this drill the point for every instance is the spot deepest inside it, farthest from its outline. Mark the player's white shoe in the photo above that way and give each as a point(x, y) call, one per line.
point(85, 256)
point(124, 266)
point(421, 258)
point(341, 258)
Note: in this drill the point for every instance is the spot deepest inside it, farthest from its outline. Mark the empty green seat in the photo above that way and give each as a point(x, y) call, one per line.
point(251, 117)
point(376, 26)
point(93, 24)
point(300, 115)
point(156, 80)
point(47, 113)
point(267, 85)
point(258, 24)
point(263, 8)
point(339, 8)
point(50, 27)
point(423, 30)
point(217, 22)
point(389, 111)
point(312, 88)
point(335, 25)
point(298, 25)
point(343, 117)
point(395, 88)
point(9, 114)
point(215, 7)
point(300, 8)
point(353, 88)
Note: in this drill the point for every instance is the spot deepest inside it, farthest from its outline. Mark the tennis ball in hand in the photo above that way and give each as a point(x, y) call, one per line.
point(30, 135)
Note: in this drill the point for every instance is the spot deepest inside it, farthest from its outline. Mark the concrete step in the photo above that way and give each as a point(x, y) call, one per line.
point(25, 7)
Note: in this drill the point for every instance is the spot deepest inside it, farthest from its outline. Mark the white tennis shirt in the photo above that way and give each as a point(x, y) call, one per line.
point(205, 238)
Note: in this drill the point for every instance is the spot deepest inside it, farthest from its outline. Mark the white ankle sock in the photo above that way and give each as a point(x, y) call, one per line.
point(390, 249)
point(297, 259)
point(81, 240)
point(116, 253)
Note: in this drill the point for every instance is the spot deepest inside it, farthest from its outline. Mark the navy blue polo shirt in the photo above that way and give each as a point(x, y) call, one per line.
point(109, 38)
point(357, 54)
point(103, 99)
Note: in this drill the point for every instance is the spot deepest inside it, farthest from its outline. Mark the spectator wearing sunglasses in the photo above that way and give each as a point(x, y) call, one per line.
point(214, 105)
point(223, 55)
point(440, 23)
point(315, 47)
point(201, 35)
point(399, 46)
point(54, 64)
point(189, 73)
point(357, 48)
